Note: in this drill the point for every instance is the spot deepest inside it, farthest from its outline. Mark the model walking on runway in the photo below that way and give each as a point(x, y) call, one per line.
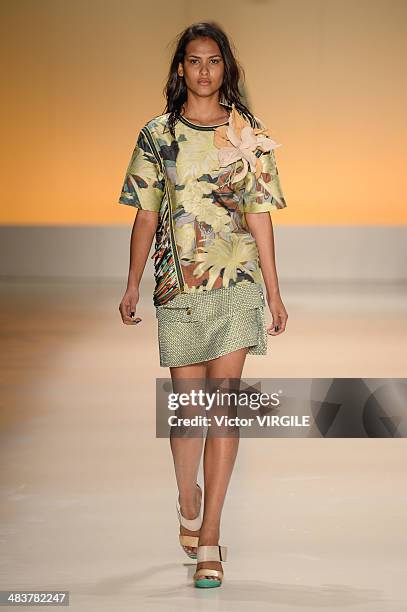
point(204, 179)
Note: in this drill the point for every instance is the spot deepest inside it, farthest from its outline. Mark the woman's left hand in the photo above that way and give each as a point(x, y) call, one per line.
point(279, 314)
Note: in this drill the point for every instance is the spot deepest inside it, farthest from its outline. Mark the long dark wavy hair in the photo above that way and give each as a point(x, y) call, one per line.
point(175, 89)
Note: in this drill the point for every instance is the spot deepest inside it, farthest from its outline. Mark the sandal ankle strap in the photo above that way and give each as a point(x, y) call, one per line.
point(211, 553)
point(191, 524)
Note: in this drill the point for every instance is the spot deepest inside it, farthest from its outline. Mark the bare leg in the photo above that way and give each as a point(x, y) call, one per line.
point(219, 459)
point(187, 451)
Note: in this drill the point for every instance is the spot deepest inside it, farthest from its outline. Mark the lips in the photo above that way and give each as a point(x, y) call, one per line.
point(204, 82)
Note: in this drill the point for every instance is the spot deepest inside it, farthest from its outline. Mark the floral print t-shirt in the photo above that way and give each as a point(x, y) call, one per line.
point(202, 182)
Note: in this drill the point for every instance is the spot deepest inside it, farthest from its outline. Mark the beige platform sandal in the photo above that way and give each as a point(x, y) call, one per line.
point(209, 553)
point(191, 524)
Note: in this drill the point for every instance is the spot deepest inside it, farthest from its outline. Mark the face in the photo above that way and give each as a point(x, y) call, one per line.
point(203, 66)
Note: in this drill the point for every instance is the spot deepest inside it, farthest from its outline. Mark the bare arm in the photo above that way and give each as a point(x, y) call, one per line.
point(261, 228)
point(142, 235)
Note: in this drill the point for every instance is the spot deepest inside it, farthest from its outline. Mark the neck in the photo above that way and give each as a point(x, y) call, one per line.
point(202, 110)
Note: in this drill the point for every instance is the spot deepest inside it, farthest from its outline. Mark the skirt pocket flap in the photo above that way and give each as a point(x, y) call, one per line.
point(182, 314)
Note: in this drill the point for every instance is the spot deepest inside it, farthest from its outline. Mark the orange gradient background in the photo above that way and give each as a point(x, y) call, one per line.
point(83, 77)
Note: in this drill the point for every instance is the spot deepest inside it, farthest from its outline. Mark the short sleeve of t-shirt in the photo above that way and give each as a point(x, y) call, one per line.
point(143, 185)
point(264, 193)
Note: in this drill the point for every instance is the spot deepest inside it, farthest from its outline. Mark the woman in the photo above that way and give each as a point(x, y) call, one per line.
point(204, 179)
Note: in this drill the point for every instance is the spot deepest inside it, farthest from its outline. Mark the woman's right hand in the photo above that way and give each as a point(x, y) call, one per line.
point(128, 306)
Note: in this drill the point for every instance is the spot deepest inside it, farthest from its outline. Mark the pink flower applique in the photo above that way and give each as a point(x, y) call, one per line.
point(238, 140)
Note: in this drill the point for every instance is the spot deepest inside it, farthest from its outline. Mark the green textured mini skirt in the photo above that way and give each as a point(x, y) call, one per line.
point(197, 327)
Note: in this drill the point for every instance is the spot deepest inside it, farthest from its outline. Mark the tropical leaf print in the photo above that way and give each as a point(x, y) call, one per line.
point(202, 183)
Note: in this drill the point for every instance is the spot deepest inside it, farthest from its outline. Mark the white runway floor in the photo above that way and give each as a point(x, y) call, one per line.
point(88, 492)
